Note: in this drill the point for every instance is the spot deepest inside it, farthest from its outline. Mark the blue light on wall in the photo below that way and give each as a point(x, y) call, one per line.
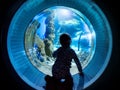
point(24, 16)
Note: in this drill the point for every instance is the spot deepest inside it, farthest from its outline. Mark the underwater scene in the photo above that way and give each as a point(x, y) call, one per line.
point(42, 37)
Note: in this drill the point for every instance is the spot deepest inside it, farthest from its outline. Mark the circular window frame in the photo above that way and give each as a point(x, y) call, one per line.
point(89, 9)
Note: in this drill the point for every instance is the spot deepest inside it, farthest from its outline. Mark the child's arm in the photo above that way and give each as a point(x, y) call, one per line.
point(78, 64)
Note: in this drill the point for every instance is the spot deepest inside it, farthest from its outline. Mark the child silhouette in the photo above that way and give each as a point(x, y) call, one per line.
point(62, 65)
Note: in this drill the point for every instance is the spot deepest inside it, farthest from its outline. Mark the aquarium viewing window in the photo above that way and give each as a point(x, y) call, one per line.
point(42, 37)
point(34, 33)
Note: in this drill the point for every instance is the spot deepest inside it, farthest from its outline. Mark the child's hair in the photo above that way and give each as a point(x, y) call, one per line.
point(65, 40)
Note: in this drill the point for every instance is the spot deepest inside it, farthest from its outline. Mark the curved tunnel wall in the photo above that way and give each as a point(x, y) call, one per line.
point(25, 14)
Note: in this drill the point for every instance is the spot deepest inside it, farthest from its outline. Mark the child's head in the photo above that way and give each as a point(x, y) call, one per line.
point(65, 40)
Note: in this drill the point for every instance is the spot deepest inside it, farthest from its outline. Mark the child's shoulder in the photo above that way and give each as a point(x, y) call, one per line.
point(70, 49)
